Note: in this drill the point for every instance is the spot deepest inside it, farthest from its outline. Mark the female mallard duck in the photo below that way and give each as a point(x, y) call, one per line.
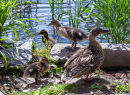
point(34, 70)
point(86, 60)
point(46, 38)
point(71, 33)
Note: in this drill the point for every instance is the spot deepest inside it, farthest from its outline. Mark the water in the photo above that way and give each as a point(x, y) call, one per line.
point(42, 11)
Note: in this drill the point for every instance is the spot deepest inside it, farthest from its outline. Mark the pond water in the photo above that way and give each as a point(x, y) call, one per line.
point(41, 10)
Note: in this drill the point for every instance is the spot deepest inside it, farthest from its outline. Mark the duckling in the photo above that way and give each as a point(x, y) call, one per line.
point(86, 60)
point(45, 38)
point(35, 69)
point(71, 33)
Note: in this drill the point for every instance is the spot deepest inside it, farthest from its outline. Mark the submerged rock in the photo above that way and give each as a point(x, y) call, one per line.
point(116, 55)
point(20, 59)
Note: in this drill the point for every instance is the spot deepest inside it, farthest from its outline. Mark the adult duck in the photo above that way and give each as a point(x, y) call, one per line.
point(86, 60)
point(71, 33)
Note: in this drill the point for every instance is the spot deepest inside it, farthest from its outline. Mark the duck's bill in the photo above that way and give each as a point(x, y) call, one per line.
point(105, 31)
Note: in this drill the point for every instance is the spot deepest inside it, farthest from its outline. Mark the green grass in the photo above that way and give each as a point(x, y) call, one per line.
point(96, 87)
point(51, 89)
point(122, 88)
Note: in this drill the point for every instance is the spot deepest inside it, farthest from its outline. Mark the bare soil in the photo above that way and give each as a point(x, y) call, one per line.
point(103, 83)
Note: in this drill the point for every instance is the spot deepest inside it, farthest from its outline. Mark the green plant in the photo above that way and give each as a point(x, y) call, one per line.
point(122, 88)
point(45, 50)
point(56, 9)
point(4, 46)
point(15, 75)
point(96, 87)
point(51, 89)
point(10, 22)
point(52, 2)
point(79, 11)
point(115, 15)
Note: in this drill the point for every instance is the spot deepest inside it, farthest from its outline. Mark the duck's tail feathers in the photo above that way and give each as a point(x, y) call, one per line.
point(64, 77)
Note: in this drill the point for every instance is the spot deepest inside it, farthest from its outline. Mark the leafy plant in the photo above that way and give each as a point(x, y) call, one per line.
point(79, 11)
point(45, 50)
point(52, 2)
point(96, 87)
point(10, 22)
point(123, 88)
point(4, 46)
point(14, 75)
point(115, 15)
point(51, 89)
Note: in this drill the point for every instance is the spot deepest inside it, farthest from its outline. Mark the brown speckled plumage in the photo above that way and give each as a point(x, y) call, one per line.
point(46, 38)
point(86, 60)
point(71, 33)
point(34, 70)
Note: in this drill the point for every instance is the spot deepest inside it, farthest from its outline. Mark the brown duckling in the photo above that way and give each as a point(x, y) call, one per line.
point(35, 69)
point(71, 33)
point(45, 38)
point(86, 60)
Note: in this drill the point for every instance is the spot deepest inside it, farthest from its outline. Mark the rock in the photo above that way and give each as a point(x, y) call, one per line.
point(61, 52)
point(116, 55)
point(1, 93)
point(19, 60)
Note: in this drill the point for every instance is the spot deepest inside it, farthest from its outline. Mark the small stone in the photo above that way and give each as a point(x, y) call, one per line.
point(108, 87)
point(1, 93)
point(25, 90)
point(57, 81)
point(91, 92)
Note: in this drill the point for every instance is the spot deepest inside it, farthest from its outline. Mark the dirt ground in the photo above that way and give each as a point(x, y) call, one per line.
point(103, 83)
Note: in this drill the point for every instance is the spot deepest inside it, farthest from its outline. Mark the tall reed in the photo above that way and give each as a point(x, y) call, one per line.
point(115, 15)
point(79, 9)
point(52, 2)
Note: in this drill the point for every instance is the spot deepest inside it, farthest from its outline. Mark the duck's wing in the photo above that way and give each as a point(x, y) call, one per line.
point(73, 57)
point(79, 63)
point(76, 33)
point(31, 70)
point(52, 40)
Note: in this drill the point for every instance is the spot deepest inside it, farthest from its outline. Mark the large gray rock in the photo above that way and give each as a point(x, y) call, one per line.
point(116, 55)
point(61, 52)
point(19, 60)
